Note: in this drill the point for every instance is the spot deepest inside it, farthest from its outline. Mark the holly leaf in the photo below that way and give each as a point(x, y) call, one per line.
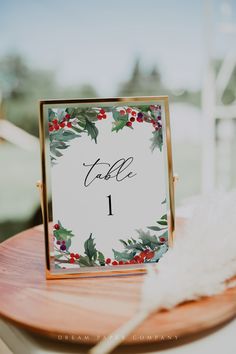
point(77, 130)
point(118, 125)
point(91, 115)
point(62, 234)
point(101, 258)
point(123, 256)
point(91, 129)
point(164, 217)
point(116, 114)
point(90, 248)
point(164, 201)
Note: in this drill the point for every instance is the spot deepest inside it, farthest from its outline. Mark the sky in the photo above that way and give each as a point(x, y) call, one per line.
point(97, 41)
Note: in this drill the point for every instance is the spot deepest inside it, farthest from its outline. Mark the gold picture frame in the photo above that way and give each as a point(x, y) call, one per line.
point(132, 269)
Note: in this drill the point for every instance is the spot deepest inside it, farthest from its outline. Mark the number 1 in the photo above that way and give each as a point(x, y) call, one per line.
point(110, 207)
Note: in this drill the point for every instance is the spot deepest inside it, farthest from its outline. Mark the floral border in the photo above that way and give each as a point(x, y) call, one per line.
point(67, 124)
point(146, 249)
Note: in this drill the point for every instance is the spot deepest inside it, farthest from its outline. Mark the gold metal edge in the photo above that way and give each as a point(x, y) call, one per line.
point(103, 100)
point(42, 103)
point(170, 174)
point(44, 185)
point(101, 274)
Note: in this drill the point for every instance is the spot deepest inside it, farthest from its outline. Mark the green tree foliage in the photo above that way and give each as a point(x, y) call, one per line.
point(22, 87)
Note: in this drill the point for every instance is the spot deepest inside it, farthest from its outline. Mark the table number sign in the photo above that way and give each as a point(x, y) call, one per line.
point(108, 166)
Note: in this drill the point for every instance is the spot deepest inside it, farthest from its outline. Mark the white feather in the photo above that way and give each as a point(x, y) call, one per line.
point(202, 259)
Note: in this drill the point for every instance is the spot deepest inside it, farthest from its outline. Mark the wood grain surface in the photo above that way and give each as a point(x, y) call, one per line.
point(86, 310)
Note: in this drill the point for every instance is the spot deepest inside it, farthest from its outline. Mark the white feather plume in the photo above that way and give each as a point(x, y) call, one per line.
point(202, 259)
point(200, 263)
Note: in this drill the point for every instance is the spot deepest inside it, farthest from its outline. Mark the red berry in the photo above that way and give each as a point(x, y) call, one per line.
point(132, 261)
point(114, 263)
point(142, 254)
point(72, 255)
point(129, 110)
point(150, 255)
point(157, 128)
point(108, 260)
point(56, 226)
point(162, 239)
point(127, 262)
point(58, 242)
point(133, 113)
point(51, 129)
point(62, 124)
point(56, 127)
point(132, 119)
point(99, 116)
point(129, 124)
point(104, 116)
point(121, 262)
point(69, 125)
point(122, 112)
point(136, 258)
point(67, 116)
point(102, 111)
point(77, 256)
point(140, 120)
point(72, 260)
point(153, 121)
point(55, 121)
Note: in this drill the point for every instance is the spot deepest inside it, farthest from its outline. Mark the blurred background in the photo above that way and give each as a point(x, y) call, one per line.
point(74, 48)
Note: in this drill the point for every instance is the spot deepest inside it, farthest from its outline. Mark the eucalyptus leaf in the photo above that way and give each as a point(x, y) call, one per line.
point(123, 256)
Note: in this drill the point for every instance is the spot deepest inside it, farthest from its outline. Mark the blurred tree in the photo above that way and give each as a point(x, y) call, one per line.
point(150, 84)
point(141, 83)
point(22, 87)
point(13, 75)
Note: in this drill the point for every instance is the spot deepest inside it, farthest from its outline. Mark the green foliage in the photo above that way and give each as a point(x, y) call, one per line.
point(162, 222)
point(90, 248)
point(101, 258)
point(148, 240)
point(157, 140)
point(91, 129)
point(84, 261)
point(123, 256)
point(63, 234)
point(118, 125)
point(159, 252)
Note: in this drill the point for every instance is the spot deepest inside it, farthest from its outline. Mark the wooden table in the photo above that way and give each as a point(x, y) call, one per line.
point(85, 310)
